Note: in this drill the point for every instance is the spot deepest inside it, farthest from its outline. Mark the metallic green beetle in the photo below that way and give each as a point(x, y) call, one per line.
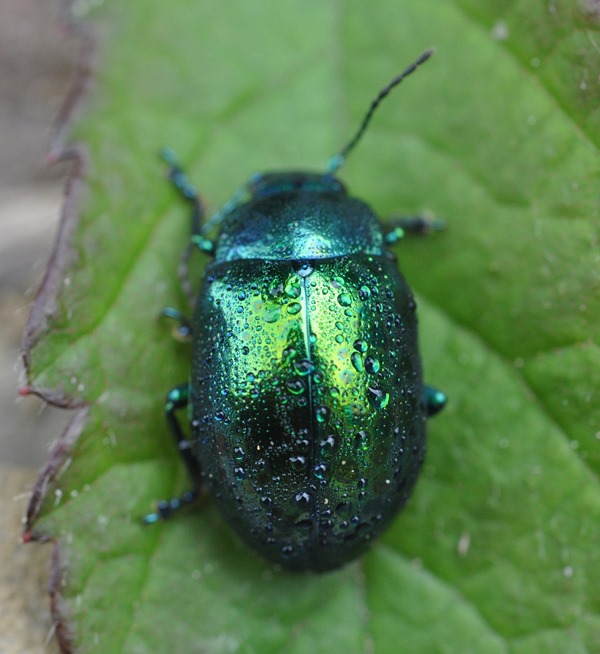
point(306, 398)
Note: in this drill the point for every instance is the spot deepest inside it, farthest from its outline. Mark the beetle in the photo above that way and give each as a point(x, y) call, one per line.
point(306, 399)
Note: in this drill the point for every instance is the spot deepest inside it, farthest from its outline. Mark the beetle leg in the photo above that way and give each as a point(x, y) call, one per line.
point(434, 400)
point(412, 225)
point(183, 326)
point(182, 183)
point(177, 398)
point(166, 508)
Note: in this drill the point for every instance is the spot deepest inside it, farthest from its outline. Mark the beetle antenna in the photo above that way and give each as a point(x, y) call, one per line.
point(338, 160)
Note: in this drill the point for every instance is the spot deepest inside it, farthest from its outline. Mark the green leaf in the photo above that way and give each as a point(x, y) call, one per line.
point(499, 134)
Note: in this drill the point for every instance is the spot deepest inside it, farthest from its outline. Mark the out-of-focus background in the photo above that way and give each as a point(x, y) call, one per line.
point(36, 66)
point(37, 62)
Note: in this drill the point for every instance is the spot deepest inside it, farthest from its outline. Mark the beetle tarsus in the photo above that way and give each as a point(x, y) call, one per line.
point(166, 508)
point(178, 398)
point(418, 224)
point(183, 326)
point(434, 400)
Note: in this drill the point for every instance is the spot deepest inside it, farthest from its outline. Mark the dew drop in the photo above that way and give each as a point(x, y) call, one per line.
point(360, 345)
point(303, 367)
point(319, 471)
point(327, 445)
point(294, 308)
point(297, 462)
point(295, 386)
point(361, 441)
point(275, 287)
point(344, 299)
point(372, 365)
point(303, 499)
point(305, 271)
point(271, 313)
point(357, 361)
point(292, 288)
point(302, 444)
point(379, 399)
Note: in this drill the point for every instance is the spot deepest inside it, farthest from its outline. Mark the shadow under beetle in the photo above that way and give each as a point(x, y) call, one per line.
point(306, 399)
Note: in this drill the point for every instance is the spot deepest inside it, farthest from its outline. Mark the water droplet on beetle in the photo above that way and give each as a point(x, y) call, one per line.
point(305, 270)
point(303, 367)
point(327, 445)
point(295, 386)
point(379, 399)
point(294, 308)
point(322, 413)
point(271, 313)
point(357, 361)
point(275, 287)
point(320, 470)
point(360, 346)
point(303, 499)
point(361, 441)
point(292, 288)
point(287, 550)
point(297, 462)
point(344, 299)
point(302, 444)
point(364, 293)
point(372, 365)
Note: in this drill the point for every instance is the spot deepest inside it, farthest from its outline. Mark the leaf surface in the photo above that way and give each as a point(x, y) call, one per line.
point(498, 134)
